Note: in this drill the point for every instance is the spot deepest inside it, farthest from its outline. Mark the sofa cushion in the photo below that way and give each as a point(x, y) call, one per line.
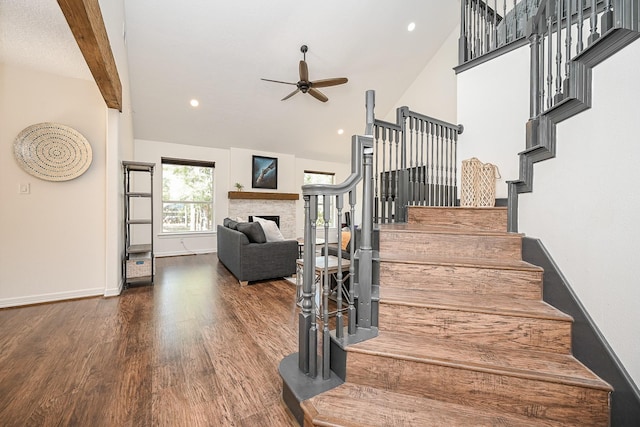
point(253, 231)
point(229, 223)
point(270, 228)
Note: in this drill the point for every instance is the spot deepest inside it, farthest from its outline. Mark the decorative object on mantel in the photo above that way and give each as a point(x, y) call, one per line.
point(239, 187)
point(52, 152)
point(264, 172)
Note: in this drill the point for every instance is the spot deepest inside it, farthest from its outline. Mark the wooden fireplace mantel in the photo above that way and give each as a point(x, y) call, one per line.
point(255, 195)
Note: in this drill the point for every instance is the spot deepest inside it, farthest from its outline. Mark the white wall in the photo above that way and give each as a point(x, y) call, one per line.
point(53, 239)
point(180, 244)
point(583, 206)
point(119, 146)
point(433, 93)
point(232, 165)
point(493, 106)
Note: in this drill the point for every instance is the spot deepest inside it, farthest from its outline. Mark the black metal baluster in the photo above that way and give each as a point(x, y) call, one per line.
point(411, 176)
point(495, 24)
point(515, 20)
point(484, 46)
point(339, 276)
point(422, 178)
point(567, 62)
point(396, 177)
point(558, 96)
point(351, 311)
point(455, 166)
point(385, 186)
point(437, 167)
point(549, 14)
point(593, 21)
point(541, 80)
point(580, 45)
point(448, 180)
point(504, 18)
point(376, 195)
point(462, 41)
point(432, 167)
point(326, 284)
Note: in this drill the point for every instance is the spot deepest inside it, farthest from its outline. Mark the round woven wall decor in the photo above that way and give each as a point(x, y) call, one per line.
point(52, 152)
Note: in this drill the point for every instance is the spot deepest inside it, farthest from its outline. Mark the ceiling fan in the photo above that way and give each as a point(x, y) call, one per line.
point(310, 87)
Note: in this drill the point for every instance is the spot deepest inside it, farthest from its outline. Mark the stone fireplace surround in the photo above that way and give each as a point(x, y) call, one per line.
point(245, 203)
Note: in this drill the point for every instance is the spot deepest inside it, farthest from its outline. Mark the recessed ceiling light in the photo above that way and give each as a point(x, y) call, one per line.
point(194, 102)
point(411, 26)
point(340, 131)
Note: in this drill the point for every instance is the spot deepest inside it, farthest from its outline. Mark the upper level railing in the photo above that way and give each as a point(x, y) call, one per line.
point(566, 38)
point(411, 162)
point(489, 25)
point(415, 164)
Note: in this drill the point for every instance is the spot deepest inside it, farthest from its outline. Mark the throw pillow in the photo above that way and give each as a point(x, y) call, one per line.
point(253, 231)
point(345, 238)
point(270, 228)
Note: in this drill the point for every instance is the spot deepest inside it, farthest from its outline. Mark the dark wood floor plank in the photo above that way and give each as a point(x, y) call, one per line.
point(194, 350)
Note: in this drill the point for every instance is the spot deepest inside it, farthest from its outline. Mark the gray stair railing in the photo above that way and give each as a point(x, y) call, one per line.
point(411, 162)
point(415, 164)
point(360, 281)
point(490, 26)
point(567, 39)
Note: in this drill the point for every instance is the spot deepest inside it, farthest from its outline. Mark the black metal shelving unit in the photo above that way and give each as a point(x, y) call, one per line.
point(138, 263)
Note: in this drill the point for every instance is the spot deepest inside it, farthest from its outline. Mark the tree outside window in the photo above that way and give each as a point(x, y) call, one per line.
point(312, 177)
point(187, 196)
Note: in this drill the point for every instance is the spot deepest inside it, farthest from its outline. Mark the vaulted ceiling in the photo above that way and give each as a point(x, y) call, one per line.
point(217, 52)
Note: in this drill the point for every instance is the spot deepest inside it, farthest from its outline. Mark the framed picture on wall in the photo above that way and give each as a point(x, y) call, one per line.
point(264, 172)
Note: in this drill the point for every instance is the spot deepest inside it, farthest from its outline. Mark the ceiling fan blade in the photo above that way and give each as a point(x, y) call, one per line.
point(278, 81)
point(329, 82)
point(304, 72)
point(290, 95)
point(317, 95)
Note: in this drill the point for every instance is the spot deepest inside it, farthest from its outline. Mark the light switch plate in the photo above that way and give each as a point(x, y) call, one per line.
point(24, 188)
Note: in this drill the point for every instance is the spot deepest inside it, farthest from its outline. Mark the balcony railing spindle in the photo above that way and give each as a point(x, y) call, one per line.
point(593, 21)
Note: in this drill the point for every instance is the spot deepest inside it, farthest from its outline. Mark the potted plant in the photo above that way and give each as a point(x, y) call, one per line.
point(239, 186)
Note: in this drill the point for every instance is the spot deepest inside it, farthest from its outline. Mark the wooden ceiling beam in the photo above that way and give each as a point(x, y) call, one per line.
point(87, 25)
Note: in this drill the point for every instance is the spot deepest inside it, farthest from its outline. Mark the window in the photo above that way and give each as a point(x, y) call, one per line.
point(187, 196)
point(313, 177)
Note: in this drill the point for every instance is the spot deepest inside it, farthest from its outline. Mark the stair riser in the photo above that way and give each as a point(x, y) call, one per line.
point(451, 245)
point(460, 218)
point(504, 331)
point(521, 396)
point(468, 280)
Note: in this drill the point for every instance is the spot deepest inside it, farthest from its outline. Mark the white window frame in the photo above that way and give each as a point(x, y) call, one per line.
point(192, 163)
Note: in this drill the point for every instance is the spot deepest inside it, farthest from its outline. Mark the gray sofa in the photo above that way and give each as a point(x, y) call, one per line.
point(255, 261)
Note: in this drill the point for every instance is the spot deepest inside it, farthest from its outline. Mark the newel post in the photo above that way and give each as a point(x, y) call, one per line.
point(365, 258)
point(307, 328)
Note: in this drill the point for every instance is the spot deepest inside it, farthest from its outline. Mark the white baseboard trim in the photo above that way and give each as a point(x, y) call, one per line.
point(58, 296)
point(114, 292)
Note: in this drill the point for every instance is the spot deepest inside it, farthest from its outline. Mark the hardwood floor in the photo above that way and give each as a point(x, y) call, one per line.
point(195, 350)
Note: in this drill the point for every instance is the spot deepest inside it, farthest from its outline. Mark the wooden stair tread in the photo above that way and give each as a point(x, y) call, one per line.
point(537, 365)
point(355, 405)
point(468, 302)
point(442, 229)
point(503, 264)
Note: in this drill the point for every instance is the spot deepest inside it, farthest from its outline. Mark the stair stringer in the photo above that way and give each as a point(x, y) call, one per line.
point(541, 131)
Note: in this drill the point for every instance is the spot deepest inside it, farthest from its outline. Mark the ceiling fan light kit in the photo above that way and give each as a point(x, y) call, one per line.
point(304, 85)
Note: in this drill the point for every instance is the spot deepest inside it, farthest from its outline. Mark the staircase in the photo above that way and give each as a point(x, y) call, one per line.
point(464, 336)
